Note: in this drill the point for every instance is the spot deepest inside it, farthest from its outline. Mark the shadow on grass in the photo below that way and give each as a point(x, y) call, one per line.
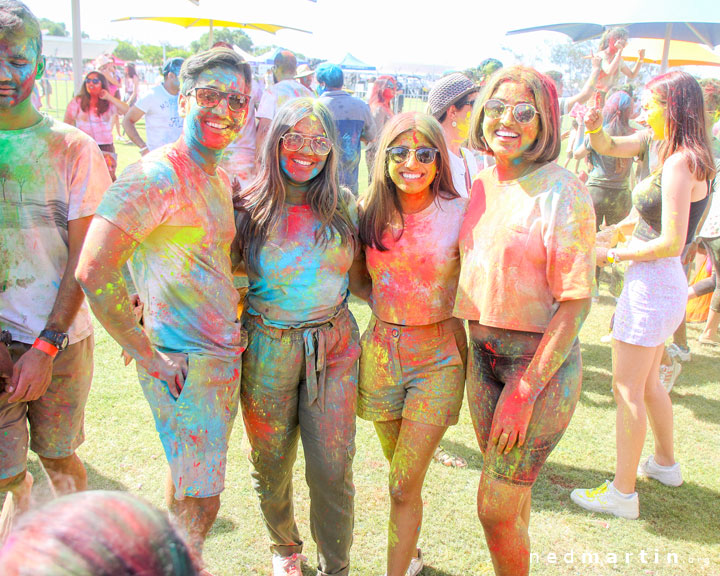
point(426, 571)
point(472, 454)
point(223, 525)
point(707, 409)
point(687, 513)
point(98, 481)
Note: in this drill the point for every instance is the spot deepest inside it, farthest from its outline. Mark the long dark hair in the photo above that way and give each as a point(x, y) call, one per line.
point(685, 128)
point(381, 205)
point(261, 203)
point(102, 105)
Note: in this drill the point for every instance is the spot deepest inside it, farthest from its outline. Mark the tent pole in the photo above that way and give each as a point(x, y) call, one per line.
point(666, 48)
point(210, 35)
point(77, 46)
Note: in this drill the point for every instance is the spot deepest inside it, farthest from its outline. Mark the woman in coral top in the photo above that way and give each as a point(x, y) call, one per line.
point(528, 262)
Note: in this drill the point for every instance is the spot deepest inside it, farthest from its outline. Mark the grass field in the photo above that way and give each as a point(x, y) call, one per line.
point(122, 452)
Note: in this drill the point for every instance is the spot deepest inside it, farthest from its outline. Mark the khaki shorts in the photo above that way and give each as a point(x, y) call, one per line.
point(412, 372)
point(195, 427)
point(56, 419)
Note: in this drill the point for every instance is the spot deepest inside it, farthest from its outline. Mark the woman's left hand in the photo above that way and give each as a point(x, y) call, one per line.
point(601, 256)
point(512, 417)
point(104, 94)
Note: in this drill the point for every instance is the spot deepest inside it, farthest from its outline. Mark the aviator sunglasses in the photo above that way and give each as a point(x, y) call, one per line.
point(210, 97)
point(93, 81)
point(400, 154)
point(292, 142)
point(523, 112)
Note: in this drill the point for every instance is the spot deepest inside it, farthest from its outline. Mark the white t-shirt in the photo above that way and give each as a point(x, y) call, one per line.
point(239, 157)
point(277, 94)
point(458, 168)
point(163, 123)
point(51, 173)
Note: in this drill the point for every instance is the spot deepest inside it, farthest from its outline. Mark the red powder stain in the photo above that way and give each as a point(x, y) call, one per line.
point(489, 348)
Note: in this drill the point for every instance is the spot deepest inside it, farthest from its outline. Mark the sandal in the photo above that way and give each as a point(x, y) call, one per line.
point(449, 460)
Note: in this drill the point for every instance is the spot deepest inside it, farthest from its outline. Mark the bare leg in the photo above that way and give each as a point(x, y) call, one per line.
point(660, 414)
point(680, 335)
point(17, 491)
point(67, 475)
point(710, 332)
point(414, 445)
point(502, 509)
point(632, 366)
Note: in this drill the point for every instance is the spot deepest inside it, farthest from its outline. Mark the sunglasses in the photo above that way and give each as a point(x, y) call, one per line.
point(400, 154)
point(93, 81)
point(523, 112)
point(209, 98)
point(292, 142)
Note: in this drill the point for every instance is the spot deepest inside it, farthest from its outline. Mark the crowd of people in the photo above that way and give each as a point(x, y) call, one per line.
point(476, 252)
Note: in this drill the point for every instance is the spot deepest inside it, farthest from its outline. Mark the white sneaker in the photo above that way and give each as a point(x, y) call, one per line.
point(669, 374)
point(678, 352)
point(668, 475)
point(288, 565)
point(606, 339)
point(416, 565)
point(607, 499)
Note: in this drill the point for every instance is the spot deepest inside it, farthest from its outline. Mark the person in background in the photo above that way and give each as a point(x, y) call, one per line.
point(163, 124)
point(668, 205)
point(285, 88)
point(353, 120)
point(567, 103)
point(53, 179)
point(97, 533)
point(93, 110)
point(380, 101)
point(612, 44)
point(132, 84)
point(527, 266)
point(450, 102)
point(105, 64)
point(305, 75)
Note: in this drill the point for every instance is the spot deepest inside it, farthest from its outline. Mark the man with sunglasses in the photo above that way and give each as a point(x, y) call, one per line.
point(53, 177)
point(170, 216)
point(353, 119)
point(163, 123)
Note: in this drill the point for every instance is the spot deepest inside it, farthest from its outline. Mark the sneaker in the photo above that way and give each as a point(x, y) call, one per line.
point(606, 339)
point(608, 500)
point(668, 475)
point(416, 565)
point(679, 353)
point(288, 565)
point(669, 374)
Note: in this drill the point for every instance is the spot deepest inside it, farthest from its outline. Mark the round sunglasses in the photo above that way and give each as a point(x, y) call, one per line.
point(93, 81)
point(523, 112)
point(423, 154)
point(292, 142)
point(210, 97)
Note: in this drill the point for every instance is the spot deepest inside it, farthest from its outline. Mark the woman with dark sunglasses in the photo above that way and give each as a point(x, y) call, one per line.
point(297, 240)
point(93, 110)
point(527, 249)
point(412, 368)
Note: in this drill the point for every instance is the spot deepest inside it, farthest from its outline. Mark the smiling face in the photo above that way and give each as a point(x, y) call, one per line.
point(301, 166)
point(411, 177)
point(506, 137)
point(93, 84)
point(213, 128)
point(20, 65)
point(655, 114)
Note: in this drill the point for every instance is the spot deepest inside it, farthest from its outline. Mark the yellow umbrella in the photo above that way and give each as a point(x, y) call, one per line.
point(680, 54)
point(202, 22)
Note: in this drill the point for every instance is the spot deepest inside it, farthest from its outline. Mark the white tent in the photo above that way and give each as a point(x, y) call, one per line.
point(62, 47)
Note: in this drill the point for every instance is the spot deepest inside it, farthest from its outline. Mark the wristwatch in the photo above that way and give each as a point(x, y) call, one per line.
point(58, 339)
point(5, 337)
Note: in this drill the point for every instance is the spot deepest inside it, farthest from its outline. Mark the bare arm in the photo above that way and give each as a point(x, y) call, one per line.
point(606, 145)
point(611, 67)
point(99, 272)
point(580, 152)
point(514, 409)
point(632, 74)
point(69, 116)
point(131, 118)
point(121, 106)
point(33, 371)
point(360, 281)
point(589, 87)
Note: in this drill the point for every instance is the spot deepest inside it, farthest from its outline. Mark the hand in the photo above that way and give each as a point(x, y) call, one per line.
point(609, 236)
point(137, 308)
point(31, 377)
point(6, 367)
point(512, 417)
point(104, 94)
point(601, 256)
point(595, 60)
point(593, 119)
point(641, 54)
point(690, 254)
point(171, 368)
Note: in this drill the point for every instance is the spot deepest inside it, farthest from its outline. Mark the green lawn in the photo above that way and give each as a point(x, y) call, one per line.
point(122, 452)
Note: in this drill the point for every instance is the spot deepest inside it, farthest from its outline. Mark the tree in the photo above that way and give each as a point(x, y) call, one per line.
point(53, 28)
point(233, 36)
point(152, 55)
point(573, 60)
point(125, 51)
point(173, 52)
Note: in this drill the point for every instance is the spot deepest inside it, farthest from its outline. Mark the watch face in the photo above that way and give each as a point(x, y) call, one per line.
point(58, 339)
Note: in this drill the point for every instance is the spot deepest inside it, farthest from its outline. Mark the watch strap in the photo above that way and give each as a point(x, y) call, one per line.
point(45, 346)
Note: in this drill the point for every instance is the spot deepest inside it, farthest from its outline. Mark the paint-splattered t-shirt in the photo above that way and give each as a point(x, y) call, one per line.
point(414, 282)
point(182, 219)
point(525, 245)
point(99, 128)
point(50, 173)
point(300, 280)
point(278, 94)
